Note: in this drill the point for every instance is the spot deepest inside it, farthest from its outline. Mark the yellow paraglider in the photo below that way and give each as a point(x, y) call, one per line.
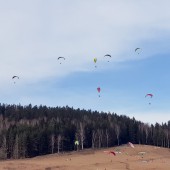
point(95, 60)
point(76, 143)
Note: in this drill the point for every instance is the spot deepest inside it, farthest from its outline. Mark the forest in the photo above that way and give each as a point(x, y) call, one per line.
point(29, 131)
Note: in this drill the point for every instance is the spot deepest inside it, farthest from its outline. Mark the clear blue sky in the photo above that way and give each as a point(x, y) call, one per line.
point(35, 33)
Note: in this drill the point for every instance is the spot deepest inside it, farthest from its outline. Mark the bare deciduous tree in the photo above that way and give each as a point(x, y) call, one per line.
point(146, 129)
point(52, 143)
point(81, 133)
point(16, 148)
point(117, 130)
point(59, 139)
point(94, 136)
point(107, 138)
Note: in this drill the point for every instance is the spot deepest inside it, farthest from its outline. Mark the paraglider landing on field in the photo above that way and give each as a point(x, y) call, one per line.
point(110, 152)
point(76, 143)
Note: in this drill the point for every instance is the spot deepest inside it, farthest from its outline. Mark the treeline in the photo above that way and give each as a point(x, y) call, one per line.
point(28, 131)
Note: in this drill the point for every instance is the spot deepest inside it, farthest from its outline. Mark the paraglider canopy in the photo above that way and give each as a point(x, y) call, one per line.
point(110, 152)
point(76, 142)
point(131, 145)
point(15, 77)
point(59, 58)
point(95, 60)
point(149, 94)
point(98, 89)
point(138, 50)
point(113, 153)
point(107, 55)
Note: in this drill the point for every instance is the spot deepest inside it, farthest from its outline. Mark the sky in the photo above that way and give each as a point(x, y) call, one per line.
point(34, 33)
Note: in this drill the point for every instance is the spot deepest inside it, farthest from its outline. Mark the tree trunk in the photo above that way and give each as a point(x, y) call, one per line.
point(93, 139)
point(52, 143)
point(3, 149)
point(107, 138)
point(82, 134)
point(58, 143)
point(16, 148)
point(117, 130)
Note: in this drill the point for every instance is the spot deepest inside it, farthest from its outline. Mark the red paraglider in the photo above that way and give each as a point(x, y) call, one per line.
point(98, 89)
point(110, 152)
point(113, 153)
point(149, 94)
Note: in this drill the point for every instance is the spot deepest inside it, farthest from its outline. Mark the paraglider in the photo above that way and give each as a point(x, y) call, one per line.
point(95, 60)
point(131, 145)
point(15, 77)
point(76, 143)
point(137, 50)
point(98, 89)
point(113, 153)
point(108, 55)
point(110, 152)
point(61, 58)
point(149, 95)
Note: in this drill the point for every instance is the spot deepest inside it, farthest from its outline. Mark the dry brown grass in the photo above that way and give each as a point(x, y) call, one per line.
point(142, 157)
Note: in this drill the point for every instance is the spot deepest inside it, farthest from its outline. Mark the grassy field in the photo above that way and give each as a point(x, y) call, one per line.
point(141, 157)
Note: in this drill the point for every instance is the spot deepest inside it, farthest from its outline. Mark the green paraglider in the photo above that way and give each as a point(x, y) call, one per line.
point(95, 60)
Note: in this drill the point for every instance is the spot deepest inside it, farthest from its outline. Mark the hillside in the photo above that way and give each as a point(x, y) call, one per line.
point(142, 157)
